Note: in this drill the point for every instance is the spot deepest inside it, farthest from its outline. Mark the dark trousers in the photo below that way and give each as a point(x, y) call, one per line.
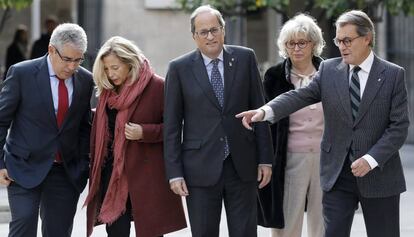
point(121, 227)
point(204, 205)
point(57, 199)
point(381, 215)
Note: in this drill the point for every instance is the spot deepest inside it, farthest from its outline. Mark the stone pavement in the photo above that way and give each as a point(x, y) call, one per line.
point(358, 229)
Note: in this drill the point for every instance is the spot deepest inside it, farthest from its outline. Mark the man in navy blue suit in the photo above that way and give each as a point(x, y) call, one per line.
point(44, 133)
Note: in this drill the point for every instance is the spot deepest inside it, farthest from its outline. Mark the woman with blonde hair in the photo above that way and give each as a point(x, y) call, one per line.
point(295, 183)
point(127, 180)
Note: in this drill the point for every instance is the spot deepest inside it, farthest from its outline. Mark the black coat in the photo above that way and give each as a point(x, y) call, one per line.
point(14, 55)
point(270, 201)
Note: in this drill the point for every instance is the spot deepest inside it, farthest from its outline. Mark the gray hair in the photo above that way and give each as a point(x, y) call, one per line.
point(301, 24)
point(202, 9)
point(69, 33)
point(362, 22)
point(126, 51)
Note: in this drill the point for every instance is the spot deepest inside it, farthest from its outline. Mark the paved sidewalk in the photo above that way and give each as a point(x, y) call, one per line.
point(358, 229)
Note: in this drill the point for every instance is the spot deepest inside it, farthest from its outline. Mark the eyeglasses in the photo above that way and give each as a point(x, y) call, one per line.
point(301, 44)
point(347, 41)
point(69, 60)
point(213, 30)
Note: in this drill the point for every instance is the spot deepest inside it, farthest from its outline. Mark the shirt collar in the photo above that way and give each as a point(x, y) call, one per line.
point(50, 68)
point(366, 64)
point(208, 60)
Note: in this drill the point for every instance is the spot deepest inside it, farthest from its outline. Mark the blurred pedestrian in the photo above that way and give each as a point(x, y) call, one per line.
point(127, 179)
point(40, 46)
point(296, 138)
point(18, 49)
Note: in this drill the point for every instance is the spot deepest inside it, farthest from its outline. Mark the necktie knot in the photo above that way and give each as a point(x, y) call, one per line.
point(215, 61)
point(357, 69)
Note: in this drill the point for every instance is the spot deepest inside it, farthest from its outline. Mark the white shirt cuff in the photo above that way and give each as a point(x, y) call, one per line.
point(268, 116)
point(175, 179)
point(371, 161)
point(268, 165)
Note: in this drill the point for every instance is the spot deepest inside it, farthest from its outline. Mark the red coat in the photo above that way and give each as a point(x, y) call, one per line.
point(155, 208)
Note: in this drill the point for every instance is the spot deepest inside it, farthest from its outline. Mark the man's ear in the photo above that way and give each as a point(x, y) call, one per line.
point(369, 37)
point(50, 49)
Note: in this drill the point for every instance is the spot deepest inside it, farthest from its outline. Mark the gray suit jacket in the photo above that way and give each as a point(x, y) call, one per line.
point(379, 130)
point(195, 125)
point(29, 134)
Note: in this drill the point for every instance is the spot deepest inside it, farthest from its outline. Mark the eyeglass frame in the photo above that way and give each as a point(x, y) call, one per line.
point(68, 60)
point(305, 42)
point(207, 32)
point(347, 41)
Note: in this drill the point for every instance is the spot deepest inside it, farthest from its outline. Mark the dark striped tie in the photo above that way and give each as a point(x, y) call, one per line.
point(354, 91)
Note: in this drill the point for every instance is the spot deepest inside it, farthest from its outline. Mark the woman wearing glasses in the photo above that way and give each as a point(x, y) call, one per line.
point(296, 139)
point(127, 180)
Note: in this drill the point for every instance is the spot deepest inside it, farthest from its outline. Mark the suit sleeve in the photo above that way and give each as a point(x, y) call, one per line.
point(261, 130)
point(153, 132)
point(395, 134)
point(9, 102)
point(85, 127)
point(293, 100)
point(173, 122)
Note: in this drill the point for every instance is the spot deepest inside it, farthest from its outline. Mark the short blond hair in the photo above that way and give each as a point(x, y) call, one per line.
point(301, 24)
point(126, 51)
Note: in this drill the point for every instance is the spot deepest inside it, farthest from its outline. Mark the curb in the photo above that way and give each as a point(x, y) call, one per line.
point(5, 216)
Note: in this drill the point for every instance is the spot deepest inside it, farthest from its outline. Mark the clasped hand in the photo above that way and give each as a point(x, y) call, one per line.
point(133, 131)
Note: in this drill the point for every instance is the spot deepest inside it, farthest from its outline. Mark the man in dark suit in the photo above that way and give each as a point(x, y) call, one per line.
point(209, 156)
point(44, 133)
point(366, 120)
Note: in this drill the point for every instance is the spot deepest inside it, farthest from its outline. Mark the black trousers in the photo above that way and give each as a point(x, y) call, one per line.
point(55, 197)
point(204, 205)
point(381, 215)
point(122, 226)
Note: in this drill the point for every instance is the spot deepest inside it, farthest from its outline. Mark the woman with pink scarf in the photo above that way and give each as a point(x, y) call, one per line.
point(127, 181)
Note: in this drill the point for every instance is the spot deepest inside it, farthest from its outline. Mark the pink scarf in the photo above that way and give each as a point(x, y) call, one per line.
point(115, 199)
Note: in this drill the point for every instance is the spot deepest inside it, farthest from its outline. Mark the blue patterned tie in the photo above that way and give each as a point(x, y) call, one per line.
point(218, 87)
point(354, 91)
point(217, 82)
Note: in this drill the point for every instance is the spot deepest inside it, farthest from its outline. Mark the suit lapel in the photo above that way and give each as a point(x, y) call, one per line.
point(372, 87)
point(342, 89)
point(45, 91)
point(200, 74)
point(229, 65)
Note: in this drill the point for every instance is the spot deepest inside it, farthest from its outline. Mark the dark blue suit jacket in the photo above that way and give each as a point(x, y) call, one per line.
point(195, 124)
point(29, 134)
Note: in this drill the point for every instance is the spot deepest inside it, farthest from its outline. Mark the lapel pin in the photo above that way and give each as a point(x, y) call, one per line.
point(379, 79)
point(230, 63)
